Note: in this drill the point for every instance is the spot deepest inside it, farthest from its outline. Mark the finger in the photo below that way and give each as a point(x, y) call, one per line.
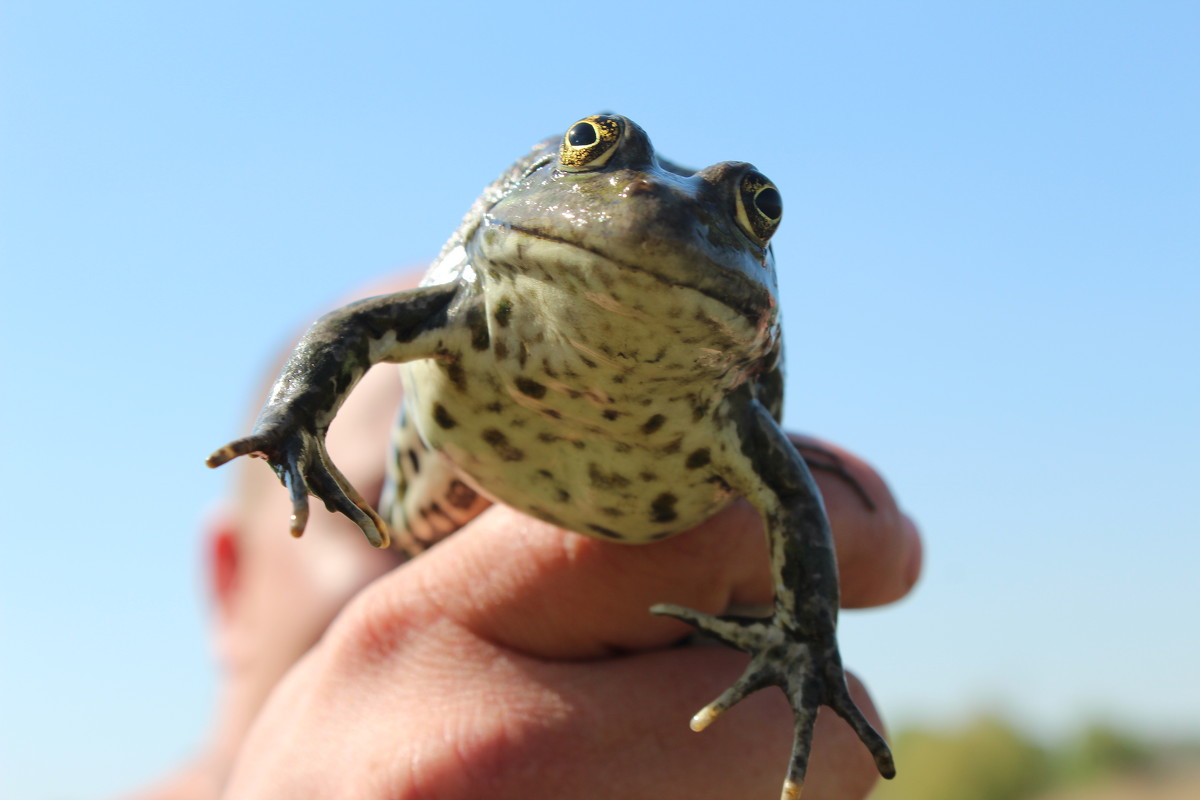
point(546, 729)
point(649, 698)
point(879, 550)
point(554, 593)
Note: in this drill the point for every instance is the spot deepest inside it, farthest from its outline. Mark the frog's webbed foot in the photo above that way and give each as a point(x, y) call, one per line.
point(299, 457)
point(808, 671)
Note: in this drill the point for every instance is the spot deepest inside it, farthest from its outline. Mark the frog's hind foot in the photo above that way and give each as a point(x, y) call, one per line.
point(809, 673)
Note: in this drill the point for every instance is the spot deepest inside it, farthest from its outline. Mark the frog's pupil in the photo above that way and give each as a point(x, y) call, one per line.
point(582, 135)
point(769, 203)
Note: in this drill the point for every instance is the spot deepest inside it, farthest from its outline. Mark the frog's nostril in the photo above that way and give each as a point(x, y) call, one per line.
point(642, 185)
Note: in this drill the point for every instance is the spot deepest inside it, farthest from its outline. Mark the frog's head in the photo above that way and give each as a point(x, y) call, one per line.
point(603, 190)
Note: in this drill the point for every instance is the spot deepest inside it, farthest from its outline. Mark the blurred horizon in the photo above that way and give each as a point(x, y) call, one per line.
point(988, 268)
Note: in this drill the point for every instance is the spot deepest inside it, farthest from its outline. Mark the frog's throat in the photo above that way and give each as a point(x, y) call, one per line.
point(750, 302)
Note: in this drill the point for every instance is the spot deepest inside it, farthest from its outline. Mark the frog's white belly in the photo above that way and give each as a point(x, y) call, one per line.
point(602, 414)
point(643, 478)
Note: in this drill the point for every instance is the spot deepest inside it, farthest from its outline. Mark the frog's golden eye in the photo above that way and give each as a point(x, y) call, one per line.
point(589, 143)
point(759, 207)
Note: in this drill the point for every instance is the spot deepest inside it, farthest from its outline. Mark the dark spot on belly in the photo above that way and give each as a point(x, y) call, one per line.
point(587, 362)
point(721, 482)
point(611, 511)
point(622, 447)
point(663, 508)
point(673, 447)
point(548, 438)
point(530, 387)
point(698, 458)
point(500, 348)
point(442, 417)
point(503, 312)
point(699, 410)
point(563, 495)
point(455, 372)
point(415, 460)
point(502, 446)
point(493, 407)
point(648, 477)
point(460, 495)
point(653, 424)
point(606, 480)
point(477, 323)
point(523, 354)
point(610, 414)
point(549, 370)
point(607, 532)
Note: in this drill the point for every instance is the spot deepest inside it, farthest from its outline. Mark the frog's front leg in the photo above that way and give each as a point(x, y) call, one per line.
point(327, 363)
point(796, 647)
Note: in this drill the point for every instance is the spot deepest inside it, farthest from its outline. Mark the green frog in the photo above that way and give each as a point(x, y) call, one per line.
point(598, 345)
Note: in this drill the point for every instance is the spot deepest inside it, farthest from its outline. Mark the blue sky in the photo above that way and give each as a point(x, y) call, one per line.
point(989, 260)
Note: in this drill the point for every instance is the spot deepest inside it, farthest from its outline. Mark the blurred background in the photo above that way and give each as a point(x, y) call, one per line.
point(990, 261)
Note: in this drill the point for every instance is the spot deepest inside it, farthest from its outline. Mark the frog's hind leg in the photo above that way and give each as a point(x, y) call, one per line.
point(424, 499)
point(796, 647)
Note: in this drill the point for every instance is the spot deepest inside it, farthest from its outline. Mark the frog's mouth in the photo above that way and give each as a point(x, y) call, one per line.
point(729, 287)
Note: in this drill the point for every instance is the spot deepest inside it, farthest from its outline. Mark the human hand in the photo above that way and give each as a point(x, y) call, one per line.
point(519, 660)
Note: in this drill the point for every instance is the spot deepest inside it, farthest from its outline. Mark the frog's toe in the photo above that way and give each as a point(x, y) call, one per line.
point(330, 485)
point(240, 447)
point(838, 698)
point(731, 630)
point(289, 473)
point(327, 482)
point(832, 464)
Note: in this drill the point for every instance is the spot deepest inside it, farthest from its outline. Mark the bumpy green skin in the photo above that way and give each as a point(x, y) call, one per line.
point(601, 348)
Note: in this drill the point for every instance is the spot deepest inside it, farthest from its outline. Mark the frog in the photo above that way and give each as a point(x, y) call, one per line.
point(599, 345)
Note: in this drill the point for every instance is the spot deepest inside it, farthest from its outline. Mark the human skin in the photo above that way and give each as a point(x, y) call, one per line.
point(518, 660)
point(272, 597)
